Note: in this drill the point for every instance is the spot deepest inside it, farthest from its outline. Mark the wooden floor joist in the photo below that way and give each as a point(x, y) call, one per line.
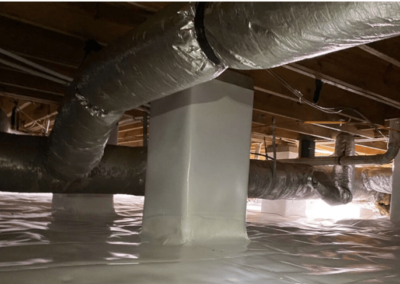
point(364, 78)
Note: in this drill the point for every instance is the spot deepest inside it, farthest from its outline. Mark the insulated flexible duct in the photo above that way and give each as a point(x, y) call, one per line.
point(261, 35)
point(293, 181)
point(22, 169)
point(161, 57)
point(290, 182)
point(183, 46)
point(343, 176)
point(374, 179)
point(122, 170)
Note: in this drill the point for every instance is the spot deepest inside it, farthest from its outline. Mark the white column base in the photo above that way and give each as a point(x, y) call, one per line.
point(285, 208)
point(198, 164)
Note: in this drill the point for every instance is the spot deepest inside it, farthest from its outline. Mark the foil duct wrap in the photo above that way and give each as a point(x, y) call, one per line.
point(344, 176)
point(159, 58)
point(330, 189)
point(4, 122)
point(375, 179)
point(293, 181)
point(22, 169)
point(370, 184)
point(290, 182)
point(262, 35)
point(122, 170)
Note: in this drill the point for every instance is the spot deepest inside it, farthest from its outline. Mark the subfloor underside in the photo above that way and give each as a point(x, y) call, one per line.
point(39, 246)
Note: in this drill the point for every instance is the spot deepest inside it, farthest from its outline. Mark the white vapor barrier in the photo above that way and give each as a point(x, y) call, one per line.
point(41, 246)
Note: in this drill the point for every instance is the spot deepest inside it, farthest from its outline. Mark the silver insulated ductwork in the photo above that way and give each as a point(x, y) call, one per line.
point(161, 57)
point(187, 44)
point(261, 35)
point(122, 170)
point(294, 181)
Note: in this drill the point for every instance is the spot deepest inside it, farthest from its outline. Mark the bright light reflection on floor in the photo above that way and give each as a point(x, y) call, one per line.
point(318, 209)
point(315, 209)
point(254, 205)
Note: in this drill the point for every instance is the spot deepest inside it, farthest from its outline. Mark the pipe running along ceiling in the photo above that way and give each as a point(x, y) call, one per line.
point(187, 44)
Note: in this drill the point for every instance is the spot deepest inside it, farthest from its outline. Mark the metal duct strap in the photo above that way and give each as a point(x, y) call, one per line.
point(161, 57)
point(262, 35)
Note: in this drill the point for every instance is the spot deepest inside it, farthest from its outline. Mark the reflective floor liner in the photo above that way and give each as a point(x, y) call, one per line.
point(37, 246)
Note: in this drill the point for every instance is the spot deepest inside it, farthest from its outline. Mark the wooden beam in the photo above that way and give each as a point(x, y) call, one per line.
point(58, 67)
point(7, 104)
point(133, 143)
point(280, 133)
point(385, 49)
point(29, 95)
point(129, 135)
point(330, 96)
point(379, 54)
point(40, 112)
point(356, 71)
point(274, 105)
point(99, 21)
point(378, 145)
point(21, 106)
point(360, 150)
point(264, 120)
point(37, 42)
point(134, 113)
point(127, 128)
point(151, 7)
point(29, 82)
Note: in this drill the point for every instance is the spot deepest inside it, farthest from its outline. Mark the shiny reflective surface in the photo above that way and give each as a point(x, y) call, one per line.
point(38, 246)
point(262, 35)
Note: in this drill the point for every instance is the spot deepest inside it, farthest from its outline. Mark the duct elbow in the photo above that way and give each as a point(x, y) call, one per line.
point(330, 190)
point(391, 153)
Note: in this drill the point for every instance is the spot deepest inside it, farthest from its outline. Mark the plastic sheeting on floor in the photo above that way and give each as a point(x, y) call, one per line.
point(38, 247)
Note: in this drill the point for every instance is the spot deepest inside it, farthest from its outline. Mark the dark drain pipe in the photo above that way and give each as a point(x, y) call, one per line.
point(187, 44)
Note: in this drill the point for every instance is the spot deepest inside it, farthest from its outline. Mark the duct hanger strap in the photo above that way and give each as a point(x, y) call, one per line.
point(201, 33)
